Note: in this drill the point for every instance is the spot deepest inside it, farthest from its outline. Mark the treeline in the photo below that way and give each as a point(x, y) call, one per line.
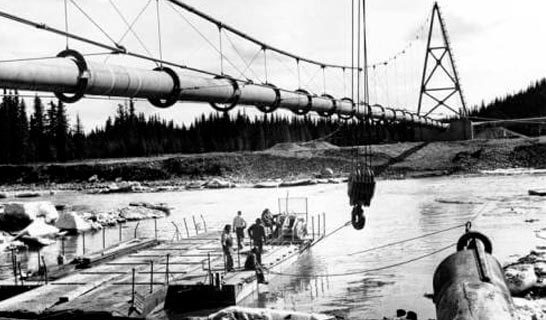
point(44, 136)
point(47, 136)
point(527, 103)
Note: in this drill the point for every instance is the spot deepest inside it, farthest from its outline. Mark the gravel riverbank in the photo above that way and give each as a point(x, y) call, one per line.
point(285, 162)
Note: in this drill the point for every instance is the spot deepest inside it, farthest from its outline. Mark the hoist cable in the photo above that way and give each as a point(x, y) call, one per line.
point(353, 50)
point(477, 215)
point(352, 273)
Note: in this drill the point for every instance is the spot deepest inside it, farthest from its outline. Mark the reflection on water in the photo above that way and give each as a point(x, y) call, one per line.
point(400, 210)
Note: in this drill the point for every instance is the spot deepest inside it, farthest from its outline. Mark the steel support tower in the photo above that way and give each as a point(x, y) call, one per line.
point(440, 58)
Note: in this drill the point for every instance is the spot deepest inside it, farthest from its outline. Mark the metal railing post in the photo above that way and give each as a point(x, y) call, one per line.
point(62, 246)
point(39, 260)
point(155, 227)
point(120, 232)
point(21, 274)
point(167, 269)
point(133, 288)
point(136, 228)
point(204, 223)
point(324, 222)
point(238, 257)
point(313, 227)
point(83, 243)
point(210, 271)
point(186, 226)
point(14, 264)
point(151, 276)
point(195, 225)
point(45, 270)
point(103, 238)
point(318, 225)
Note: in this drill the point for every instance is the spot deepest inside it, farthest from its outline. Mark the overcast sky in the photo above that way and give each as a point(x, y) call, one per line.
point(499, 45)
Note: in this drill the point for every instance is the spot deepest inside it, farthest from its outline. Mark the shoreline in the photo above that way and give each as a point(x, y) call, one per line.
point(287, 163)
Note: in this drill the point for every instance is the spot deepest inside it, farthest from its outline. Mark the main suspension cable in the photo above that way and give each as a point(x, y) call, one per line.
point(247, 37)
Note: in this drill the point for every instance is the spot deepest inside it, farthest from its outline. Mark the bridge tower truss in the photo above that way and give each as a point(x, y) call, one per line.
point(440, 82)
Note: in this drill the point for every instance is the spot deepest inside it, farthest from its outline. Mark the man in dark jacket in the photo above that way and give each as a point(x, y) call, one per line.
point(256, 232)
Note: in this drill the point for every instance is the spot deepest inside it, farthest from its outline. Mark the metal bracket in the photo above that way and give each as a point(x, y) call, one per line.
point(308, 107)
point(331, 112)
point(269, 109)
point(233, 100)
point(173, 96)
point(83, 77)
point(353, 111)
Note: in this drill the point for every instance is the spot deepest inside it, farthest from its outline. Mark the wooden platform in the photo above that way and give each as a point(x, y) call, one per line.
point(190, 298)
point(133, 285)
point(108, 287)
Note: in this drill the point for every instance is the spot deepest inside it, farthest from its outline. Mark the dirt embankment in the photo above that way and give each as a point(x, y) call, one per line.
point(291, 161)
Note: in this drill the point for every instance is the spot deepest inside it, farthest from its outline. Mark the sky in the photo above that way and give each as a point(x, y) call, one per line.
point(498, 45)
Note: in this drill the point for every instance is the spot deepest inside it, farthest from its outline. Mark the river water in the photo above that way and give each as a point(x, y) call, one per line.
point(400, 210)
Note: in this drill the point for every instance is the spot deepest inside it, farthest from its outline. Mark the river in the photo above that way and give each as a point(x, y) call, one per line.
point(400, 210)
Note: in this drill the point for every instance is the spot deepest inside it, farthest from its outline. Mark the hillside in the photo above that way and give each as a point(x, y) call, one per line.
point(290, 161)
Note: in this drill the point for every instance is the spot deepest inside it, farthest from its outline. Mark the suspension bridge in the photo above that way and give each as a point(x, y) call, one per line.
point(428, 98)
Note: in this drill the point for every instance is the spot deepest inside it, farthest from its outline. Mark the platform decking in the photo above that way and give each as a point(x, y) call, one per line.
point(108, 286)
point(133, 285)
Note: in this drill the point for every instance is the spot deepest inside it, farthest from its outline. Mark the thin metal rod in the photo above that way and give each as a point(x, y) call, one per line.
point(167, 269)
point(358, 56)
point(14, 264)
point(313, 227)
point(318, 225)
point(151, 276)
point(133, 288)
point(159, 31)
point(265, 64)
point(365, 49)
point(45, 270)
point(195, 225)
point(204, 223)
point(66, 21)
point(299, 73)
point(136, 228)
point(352, 50)
point(221, 50)
point(187, 230)
point(155, 227)
point(83, 242)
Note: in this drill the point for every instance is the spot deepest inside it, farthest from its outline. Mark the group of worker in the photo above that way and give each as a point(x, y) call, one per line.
point(256, 233)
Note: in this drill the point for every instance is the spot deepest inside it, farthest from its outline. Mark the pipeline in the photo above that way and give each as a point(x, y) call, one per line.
point(70, 73)
point(470, 284)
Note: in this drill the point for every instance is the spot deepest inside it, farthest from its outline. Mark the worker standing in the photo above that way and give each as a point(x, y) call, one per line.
point(239, 225)
point(256, 232)
point(227, 247)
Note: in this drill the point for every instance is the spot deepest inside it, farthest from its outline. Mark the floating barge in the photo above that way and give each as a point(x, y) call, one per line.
point(184, 276)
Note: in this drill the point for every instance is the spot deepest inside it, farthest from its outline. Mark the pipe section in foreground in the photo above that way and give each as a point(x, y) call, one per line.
point(470, 284)
point(68, 75)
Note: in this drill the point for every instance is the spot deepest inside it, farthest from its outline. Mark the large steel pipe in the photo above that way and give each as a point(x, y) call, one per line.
point(65, 75)
point(470, 284)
